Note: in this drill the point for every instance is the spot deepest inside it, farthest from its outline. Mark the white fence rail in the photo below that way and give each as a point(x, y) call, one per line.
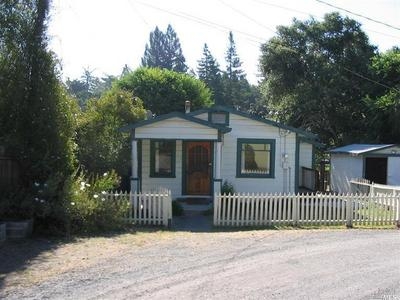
point(146, 208)
point(301, 209)
point(362, 185)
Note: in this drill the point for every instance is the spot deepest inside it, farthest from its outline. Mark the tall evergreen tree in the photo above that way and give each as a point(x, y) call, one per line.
point(236, 89)
point(209, 72)
point(164, 51)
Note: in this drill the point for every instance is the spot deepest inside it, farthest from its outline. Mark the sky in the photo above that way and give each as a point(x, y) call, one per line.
point(104, 35)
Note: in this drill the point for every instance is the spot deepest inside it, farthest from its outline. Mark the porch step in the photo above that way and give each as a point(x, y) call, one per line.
point(195, 205)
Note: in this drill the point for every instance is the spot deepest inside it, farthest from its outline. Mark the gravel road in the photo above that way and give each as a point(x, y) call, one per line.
point(265, 264)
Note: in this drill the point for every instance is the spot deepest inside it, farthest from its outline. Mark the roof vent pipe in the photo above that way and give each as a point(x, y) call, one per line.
point(187, 106)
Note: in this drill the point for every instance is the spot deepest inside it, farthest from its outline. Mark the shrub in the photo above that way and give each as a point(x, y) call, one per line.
point(177, 209)
point(227, 188)
point(88, 209)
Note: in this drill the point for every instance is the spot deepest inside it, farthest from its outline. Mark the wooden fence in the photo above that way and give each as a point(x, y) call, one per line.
point(145, 208)
point(362, 185)
point(302, 209)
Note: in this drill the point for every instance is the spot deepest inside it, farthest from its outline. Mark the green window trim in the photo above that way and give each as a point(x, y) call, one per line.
point(271, 160)
point(225, 113)
point(153, 146)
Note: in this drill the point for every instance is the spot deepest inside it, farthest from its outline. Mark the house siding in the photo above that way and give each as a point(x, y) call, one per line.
point(393, 174)
point(283, 181)
point(151, 183)
point(176, 128)
point(343, 169)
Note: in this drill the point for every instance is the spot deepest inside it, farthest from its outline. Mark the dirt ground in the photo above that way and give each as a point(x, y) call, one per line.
point(256, 264)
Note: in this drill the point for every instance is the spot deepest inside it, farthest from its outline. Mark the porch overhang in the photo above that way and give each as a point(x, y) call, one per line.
point(176, 126)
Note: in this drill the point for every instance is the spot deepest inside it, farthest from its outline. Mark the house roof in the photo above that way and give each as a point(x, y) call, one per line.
point(188, 117)
point(356, 149)
point(310, 136)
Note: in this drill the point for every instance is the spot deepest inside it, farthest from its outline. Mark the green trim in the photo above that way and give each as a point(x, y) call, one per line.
point(152, 159)
point(312, 142)
point(312, 157)
point(226, 123)
point(379, 155)
point(255, 118)
point(183, 116)
point(272, 144)
point(297, 164)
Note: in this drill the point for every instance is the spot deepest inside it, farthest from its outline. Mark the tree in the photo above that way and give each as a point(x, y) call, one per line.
point(384, 104)
point(88, 86)
point(236, 89)
point(102, 146)
point(164, 51)
point(36, 116)
point(164, 91)
point(313, 77)
point(209, 72)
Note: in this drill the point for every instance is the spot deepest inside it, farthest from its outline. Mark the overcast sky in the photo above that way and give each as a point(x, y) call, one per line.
point(104, 35)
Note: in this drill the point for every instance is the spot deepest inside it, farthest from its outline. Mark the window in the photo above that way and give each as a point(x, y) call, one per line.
point(255, 158)
point(162, 160)
point(219, 117)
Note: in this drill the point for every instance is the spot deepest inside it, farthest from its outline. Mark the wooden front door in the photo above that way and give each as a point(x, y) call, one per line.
point(198, 168)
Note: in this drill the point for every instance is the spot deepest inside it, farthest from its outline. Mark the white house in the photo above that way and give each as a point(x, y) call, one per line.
point(379, 163)
point(193, 153)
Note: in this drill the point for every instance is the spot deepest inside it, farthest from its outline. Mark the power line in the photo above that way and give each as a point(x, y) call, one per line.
point(247, 16)
point(359, 15)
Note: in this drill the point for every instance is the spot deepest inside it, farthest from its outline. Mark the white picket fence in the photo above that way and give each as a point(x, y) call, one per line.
point(302, 209)
point(362, 185)
point(145, 208)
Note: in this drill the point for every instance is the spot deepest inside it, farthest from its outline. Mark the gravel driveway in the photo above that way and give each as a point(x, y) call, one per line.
point(264, 264)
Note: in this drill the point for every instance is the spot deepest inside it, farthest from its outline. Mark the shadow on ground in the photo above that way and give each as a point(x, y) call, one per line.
point(15, 255)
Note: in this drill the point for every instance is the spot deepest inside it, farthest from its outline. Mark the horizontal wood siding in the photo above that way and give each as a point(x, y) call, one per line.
point(176, 128)
point(203, 116)
point(152, 183)
point(344, 168)
point(250, 129)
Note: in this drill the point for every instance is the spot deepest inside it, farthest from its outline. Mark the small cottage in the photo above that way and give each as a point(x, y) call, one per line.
point(379, 163)
point(193, 153)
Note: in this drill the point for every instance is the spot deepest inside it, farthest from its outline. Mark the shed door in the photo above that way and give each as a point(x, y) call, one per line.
point(376, 169)
point(198, 168)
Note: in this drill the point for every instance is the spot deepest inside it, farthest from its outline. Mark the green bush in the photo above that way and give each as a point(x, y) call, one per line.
point(88, 208)
point(227, 188)
point(177, 209)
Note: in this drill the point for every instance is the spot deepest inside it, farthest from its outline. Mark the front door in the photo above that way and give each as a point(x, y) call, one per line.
point(198, 167)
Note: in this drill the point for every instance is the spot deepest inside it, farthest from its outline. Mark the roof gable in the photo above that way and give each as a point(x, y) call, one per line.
point(179, 115)
point(217, 108)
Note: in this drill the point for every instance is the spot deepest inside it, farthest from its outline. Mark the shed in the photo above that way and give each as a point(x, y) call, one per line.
point(379, 163)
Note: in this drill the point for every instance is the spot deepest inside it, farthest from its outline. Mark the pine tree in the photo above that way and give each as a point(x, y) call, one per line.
point(164, 51)
point(234, 78)
point(209, 72)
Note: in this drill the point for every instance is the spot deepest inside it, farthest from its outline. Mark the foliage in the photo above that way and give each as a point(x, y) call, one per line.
point(384, 104)
point(36, 117)
point(163, 91)
point(313, 77)
point(164, 51)
point(177, 209)
point(208, 71)
point(88, 86)
point(101, 145)
point(88, 208)
point(227, 188)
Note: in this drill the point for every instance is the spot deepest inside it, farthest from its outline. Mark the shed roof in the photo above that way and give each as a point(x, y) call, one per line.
point(356, 149)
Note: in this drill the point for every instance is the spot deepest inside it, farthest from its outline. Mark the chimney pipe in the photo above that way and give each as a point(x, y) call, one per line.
point(187, 106)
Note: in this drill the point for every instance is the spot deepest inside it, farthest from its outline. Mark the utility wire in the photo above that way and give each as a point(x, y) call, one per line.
point(359, 15)
point(247, 16)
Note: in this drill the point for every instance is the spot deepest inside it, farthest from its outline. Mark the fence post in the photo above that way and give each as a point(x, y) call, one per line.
point(349, 211)
point(165, 206)
point(295, 209)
